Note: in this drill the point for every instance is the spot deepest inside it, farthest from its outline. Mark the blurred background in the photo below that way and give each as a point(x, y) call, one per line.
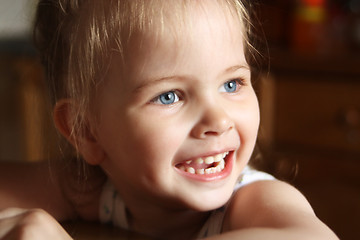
point(309, 97)
point(26, 131)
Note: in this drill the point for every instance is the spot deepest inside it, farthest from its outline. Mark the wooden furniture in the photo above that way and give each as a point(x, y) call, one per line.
point(27, 131)
point(80, 230)
point(311, 124)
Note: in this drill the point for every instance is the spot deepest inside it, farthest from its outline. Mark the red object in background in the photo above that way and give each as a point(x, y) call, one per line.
point(314, 3)
point(309, 26)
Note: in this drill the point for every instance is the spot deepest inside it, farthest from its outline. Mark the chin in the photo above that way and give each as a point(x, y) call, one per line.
point(211, 200)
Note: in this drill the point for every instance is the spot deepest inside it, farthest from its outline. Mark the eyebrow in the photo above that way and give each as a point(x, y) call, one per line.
point(175, 78)
point(235, 68)
point(154, 81)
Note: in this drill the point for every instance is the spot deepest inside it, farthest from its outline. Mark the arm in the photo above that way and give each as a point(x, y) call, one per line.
point(32, 224)
point(272, 210)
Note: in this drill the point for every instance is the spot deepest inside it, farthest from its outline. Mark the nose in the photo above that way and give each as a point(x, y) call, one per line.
point(213, 121)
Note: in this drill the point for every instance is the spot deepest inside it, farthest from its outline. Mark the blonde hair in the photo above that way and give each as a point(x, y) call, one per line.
point(76, 38)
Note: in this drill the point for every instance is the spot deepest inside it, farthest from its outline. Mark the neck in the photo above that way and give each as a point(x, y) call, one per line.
point(163, 223)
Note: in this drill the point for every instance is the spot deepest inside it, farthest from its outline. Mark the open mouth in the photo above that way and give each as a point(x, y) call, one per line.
point(205, 166)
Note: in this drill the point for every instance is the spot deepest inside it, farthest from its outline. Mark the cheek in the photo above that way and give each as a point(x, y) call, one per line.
point(247, 129)
point(247, 124)
point(145, 140)
point(151, 146)
point(158, 139)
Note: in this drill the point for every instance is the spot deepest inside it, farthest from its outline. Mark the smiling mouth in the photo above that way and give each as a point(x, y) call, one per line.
point(204, 166)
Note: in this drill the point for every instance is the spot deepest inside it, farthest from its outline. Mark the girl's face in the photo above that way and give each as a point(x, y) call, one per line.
point(179, 124)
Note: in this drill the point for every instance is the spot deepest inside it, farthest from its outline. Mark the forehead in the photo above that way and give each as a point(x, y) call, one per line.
point(204, 34)
point(193, 18)
point(197, 26)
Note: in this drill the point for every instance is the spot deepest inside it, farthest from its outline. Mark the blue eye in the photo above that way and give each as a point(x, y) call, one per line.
point(167, 98)
point(230, 86)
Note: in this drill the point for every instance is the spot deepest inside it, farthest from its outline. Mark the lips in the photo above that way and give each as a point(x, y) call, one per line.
point(205, 166)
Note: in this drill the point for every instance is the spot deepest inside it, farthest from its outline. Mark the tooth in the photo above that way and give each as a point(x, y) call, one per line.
point(218, 158)
point(225, 154)
point(182, 168)
point(210, 170)
point(199, 161)
point(200, 171)
point(218, 169)
point(189, 162)
point(209, 160)
point(222, 164)
point(190, 170)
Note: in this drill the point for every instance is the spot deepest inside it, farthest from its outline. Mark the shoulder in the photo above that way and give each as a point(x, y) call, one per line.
point(272, 210)
point(267, 204)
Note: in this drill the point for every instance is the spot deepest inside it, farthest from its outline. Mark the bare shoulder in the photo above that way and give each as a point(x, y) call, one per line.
point(271, 204)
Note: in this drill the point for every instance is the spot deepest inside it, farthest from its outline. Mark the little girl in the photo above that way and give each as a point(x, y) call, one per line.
point(158, 94)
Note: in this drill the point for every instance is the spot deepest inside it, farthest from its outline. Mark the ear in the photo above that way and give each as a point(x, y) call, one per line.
point(84, 141)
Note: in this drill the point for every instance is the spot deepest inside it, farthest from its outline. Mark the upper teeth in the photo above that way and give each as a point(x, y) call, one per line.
point(210, 159)
point(199, 161)
point(219, 159)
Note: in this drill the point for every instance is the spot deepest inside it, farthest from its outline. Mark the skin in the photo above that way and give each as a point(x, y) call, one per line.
point(140, 142)
point(16, 223)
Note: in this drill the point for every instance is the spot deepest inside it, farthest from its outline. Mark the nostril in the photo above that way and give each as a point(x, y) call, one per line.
point(217, 129)
point(213, 121)
point(211, 133)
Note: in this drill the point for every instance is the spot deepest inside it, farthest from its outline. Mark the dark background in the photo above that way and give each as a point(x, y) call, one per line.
point(309, 95)
point(310, 102)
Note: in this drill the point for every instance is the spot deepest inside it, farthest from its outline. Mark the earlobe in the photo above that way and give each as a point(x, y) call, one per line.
point(83, 141)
